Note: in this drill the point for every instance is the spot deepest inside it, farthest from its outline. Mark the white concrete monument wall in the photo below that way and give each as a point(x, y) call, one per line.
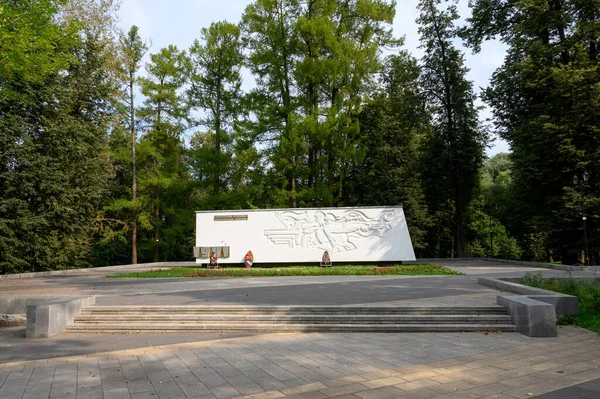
point(368, 234)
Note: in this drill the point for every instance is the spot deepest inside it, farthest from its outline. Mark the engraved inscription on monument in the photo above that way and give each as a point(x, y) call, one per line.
point(328, 232)
point(229, 218)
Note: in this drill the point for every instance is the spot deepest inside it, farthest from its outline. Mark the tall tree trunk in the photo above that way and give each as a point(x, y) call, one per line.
point(459, 236)
point(133, 172)
point(343, 160)
point(218, 139)
point(293, 189)
point(156, 222)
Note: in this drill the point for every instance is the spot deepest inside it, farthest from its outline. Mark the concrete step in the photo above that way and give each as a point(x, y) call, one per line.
point(295, 319)
point(313, 310)
point(272, 328)
point(262, 319)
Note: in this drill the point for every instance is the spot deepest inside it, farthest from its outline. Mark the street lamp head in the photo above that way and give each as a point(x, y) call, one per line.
point(586, 176)
point(575, 180)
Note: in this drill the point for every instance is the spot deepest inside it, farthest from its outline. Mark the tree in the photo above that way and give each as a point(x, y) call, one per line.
point(392, 129)
point(55, 88)
point(491, 218)
point(165, 113)
point(132, 49)
point(271, 40)
point(455, 149)
point(314, 61)
point(545, 102)
point(215, 88)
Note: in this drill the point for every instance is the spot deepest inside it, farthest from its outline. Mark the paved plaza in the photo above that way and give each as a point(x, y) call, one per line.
point(317, 365)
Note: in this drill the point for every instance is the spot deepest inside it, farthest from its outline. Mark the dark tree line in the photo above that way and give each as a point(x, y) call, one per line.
point(104, 157)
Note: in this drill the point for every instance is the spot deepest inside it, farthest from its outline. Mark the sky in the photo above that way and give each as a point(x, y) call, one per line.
point(179, 22)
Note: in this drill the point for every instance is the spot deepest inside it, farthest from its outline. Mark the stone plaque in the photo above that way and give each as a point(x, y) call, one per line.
point(204, 252)
point(229, 218)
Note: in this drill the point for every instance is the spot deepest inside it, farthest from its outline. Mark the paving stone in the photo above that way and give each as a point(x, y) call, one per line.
point(145, 395)
point(390, 392)
point(344, 389)
point(137, 386)
point(383, 382)
point(38, 391)
point(19, 374)
point(225, 391)
point(210, 378)
point(451, 387)
point(265, 380)
point(489, 389)
point(418, 375)
point(294, 382)
point(121, 393)
point(90, 393)
point(244, 385)
point(109, 363)
point(308, 395)
point(195, 390)
point(303, 388)
point(522, 381)
point(485, 379)
point(64, 384)
point(418, 384)
point(345, 381)
point(168, 390)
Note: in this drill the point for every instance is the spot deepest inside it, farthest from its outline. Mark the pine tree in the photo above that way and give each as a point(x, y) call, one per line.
point(455, 148)
point(165, 113)
point(132, 49)
point(215, 88)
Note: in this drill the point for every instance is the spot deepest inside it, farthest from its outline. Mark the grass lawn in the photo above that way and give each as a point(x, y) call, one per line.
point(586, 290)
point(369, 270)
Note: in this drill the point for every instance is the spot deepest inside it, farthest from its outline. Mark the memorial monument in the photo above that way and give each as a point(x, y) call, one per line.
point(366, 234)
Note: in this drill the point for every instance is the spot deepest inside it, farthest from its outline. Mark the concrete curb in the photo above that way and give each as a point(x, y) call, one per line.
point(545, 265)
point(96, 269)
point(534, 311)
point(564, 304)
point(18, 304)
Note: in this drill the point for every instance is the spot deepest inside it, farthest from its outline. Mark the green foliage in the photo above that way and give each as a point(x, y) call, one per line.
point(86, 171)
point(392, 126)
point(215, 87)
point(532, 280)
point(454, 148)
point(489, 216)
point(545, 101)
point(54, 91)
point(313, 63)
point(489, 239)
point(120, 213)
point(412, 270)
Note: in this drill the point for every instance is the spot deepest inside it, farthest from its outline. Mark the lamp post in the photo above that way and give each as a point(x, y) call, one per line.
point(156, 251)
point(581, 183)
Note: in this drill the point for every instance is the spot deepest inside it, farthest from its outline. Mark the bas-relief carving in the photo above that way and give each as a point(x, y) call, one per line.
point(328, 232)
